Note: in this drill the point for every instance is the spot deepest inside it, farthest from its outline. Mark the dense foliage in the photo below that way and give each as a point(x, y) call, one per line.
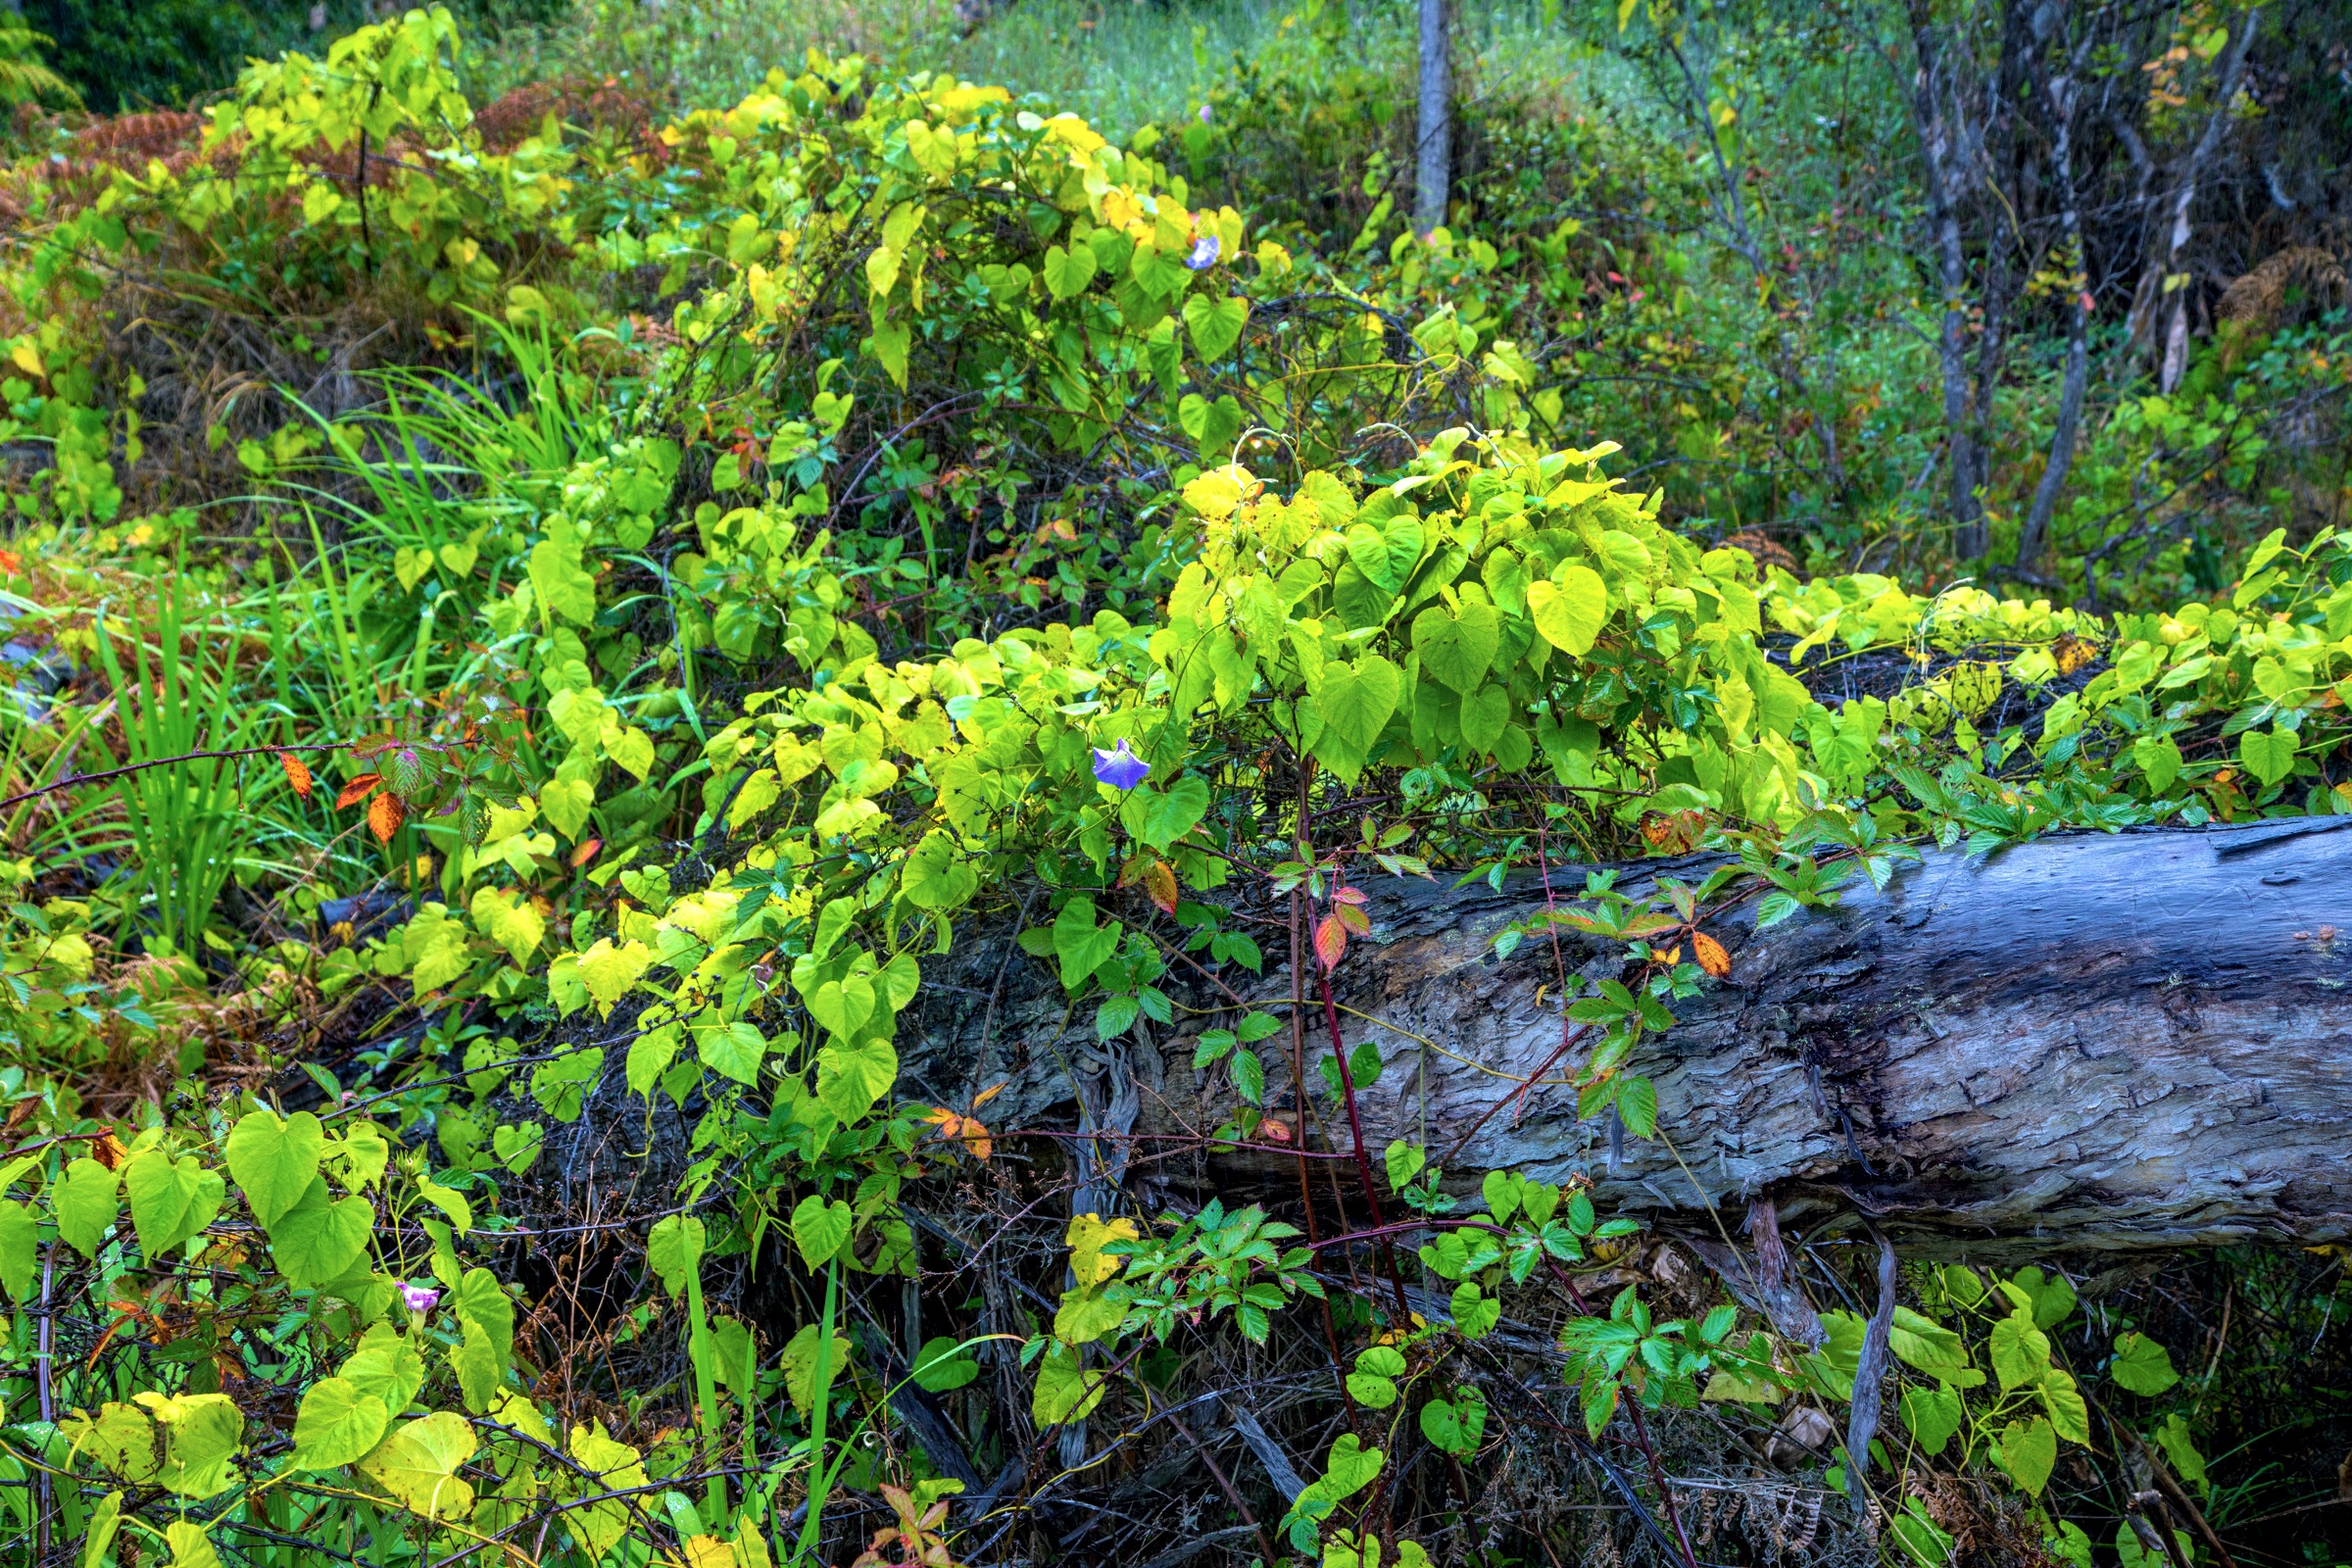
point(504, 743)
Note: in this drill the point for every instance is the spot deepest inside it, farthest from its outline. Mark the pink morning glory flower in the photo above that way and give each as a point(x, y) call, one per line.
point(1203, 254)
point(1119, 767)
point(1205, 114)
point(420, 1297)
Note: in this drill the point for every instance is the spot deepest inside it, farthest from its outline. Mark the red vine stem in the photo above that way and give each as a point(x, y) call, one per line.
point(1356, 1130)
point(73, 779)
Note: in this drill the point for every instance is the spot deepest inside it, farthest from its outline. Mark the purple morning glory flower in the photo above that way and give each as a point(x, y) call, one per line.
point(1203, 254)
point(1205, 114)
point(420, 1297)
point(1119, 767)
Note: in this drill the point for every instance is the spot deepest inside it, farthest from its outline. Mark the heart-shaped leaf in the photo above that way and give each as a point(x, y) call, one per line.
point(843, 1006)
point(338, 1424)
point(674, 1247)
point(2028, 1451)
point(1569, 608)
point(1214, 325)
point(1486, 715)
point(1357, 702)
point(417, 1464)
point(819, 1228)
point(317, 1241)
point(274, 1161)
point(87, 1200)
point(1457, 647)
point(1068, 272)
point(170, 1199)
point(851, 1078)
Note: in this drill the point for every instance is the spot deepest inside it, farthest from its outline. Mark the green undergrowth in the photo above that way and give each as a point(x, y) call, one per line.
point(809, 534)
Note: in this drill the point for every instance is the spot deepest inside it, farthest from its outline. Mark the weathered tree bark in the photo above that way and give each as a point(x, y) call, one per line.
point(2112, 1042)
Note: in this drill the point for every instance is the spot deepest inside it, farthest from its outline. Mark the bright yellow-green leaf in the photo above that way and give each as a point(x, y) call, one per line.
point(338, 1424)
point(1569, 608)
point(418, 1465)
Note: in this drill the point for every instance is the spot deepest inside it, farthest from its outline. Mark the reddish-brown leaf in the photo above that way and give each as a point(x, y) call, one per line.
point(585, 851)
point(1330, 941)
point(1159, 880)
point(385, 815)
point(1711, 955)
point(297, 773)
point(356, 790)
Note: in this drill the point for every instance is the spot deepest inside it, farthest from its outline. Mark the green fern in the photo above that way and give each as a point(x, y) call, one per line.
point(24, 76)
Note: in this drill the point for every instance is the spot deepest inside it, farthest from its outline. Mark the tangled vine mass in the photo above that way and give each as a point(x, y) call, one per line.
point(526, 835)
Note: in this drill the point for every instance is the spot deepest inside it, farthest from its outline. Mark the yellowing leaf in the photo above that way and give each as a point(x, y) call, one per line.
point(1711, 954)
point(1217, 493)
point(608, 971)
point(418, 1465)
point(1087, 1235)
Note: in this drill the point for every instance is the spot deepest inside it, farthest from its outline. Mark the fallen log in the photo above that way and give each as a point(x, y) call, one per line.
point(2131, 1041)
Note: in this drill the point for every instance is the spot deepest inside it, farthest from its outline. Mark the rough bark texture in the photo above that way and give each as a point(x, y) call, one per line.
point(2118, 1042)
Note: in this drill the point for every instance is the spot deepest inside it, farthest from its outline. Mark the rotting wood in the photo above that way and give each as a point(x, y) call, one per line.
point(2130, 1041)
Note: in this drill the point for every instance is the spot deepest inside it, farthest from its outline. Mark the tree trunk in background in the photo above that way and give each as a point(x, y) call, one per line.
point(1433, 165)
point(2060, 97)
point(2162, 305)
point(2121, 1042)
point(1942, 178)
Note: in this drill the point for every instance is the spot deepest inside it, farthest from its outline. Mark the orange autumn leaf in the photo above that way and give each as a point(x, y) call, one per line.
point(585, 852)
point(1711, 955)
point(384, 816)
point(1159, 881)
point(297, 773)
point(964, 1129)
point(356, 790)
point(1331, 942)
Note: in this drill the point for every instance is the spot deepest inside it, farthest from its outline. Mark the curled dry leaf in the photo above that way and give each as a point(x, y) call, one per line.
point(1711, 955)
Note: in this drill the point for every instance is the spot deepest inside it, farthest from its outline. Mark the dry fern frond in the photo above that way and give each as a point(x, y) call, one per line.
point(2256, 298)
